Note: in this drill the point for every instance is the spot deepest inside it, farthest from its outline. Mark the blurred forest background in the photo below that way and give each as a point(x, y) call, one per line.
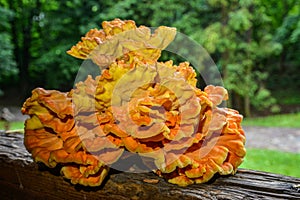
point(254, 43)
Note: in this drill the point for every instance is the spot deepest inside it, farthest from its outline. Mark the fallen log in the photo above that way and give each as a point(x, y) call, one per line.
point(21, 178)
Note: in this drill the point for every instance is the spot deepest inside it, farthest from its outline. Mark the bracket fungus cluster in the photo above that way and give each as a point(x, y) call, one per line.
point(136, 106)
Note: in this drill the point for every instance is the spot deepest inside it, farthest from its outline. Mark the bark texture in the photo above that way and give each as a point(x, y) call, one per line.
point(21, 178)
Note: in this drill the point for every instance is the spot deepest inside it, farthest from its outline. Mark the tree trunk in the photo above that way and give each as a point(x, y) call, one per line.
point(247, 106)
point(21, 178)
point(21, 34)
point(249, 35)
point(27, 37)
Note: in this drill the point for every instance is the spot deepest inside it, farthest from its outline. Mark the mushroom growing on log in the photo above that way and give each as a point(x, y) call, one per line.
point(137, 106)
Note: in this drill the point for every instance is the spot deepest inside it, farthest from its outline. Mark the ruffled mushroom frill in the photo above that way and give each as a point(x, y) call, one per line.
point(136, 105)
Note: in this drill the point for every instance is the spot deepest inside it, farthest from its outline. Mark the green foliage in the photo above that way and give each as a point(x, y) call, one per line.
point(287, 97)
point(263, 99)
point(61, 30)
point(8, 70)
point(272, 161)
point(286, 28)
point(42, 68)
point(254, 43)
point(240, 41)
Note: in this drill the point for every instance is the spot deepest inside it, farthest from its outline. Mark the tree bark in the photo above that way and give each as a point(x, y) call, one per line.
point(21, 178)
point(225, 54)
point(249, 35)
point(21, 32)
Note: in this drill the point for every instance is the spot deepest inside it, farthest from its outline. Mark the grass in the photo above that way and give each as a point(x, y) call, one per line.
point(283, 120)
point(13, 125)
point(272, 161)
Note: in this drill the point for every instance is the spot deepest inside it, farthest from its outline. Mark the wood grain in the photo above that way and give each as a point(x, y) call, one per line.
point(21, 178)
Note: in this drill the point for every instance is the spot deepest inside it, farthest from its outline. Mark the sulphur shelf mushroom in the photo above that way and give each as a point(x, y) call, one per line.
point(136, 105)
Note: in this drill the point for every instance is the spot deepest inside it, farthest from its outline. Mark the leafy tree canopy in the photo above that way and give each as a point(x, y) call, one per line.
point(254, 43)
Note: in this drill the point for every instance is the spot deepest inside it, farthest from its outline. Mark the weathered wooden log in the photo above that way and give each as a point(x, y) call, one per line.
point(21, 178)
